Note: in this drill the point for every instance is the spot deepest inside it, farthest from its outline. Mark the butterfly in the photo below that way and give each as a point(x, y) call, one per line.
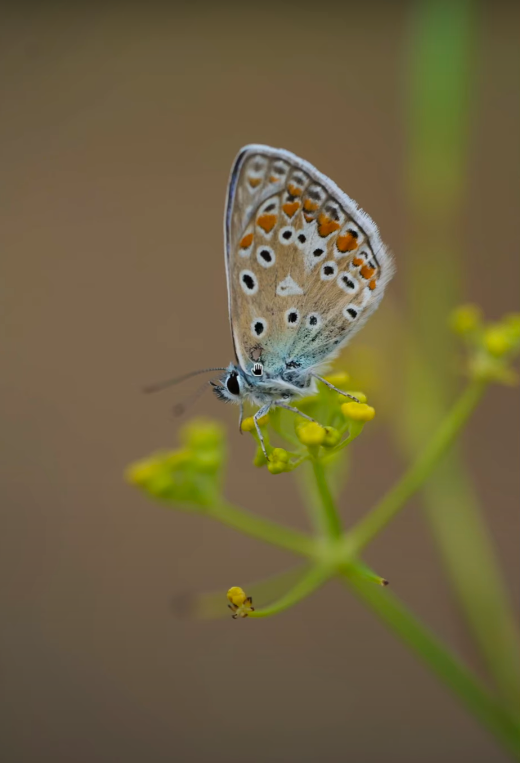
point(305, 269)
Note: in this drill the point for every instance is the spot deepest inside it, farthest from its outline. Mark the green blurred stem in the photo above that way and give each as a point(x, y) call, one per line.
point(473, 570)
point(263, 529)
point(372, 524)
point(447, 667)
point(315, 577)
point(328, 517)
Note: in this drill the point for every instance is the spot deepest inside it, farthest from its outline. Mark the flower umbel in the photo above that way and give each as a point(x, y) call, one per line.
point(191, 474)
point(492, 347)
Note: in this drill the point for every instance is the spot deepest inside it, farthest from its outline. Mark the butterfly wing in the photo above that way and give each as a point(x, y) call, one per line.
point(305, 266)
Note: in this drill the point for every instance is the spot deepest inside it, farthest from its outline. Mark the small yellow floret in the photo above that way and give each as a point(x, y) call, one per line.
point(276, 467)
point(279, 454)
point(141, 472)
point(311, 433)
point(358, 411)
point(465, 318)
point(202, 433)
point(177, 458)
point(497, 340)
point(248, 425)
point(332, 437)
point(207, 461)
point(236, 596)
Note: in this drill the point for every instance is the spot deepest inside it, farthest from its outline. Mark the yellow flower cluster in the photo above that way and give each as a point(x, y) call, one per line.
point(335, 419)
point(189, 474)
point(492, 345)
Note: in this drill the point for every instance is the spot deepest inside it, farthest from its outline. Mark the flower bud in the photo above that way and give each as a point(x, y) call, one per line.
point(202, 433)
point(497, 340)
point(248, 424)
point(332, 437)
point(311, 433)
point(141, 472)
point(279, 454)
point(465, 319)
point(276, 467)
point(358, 411)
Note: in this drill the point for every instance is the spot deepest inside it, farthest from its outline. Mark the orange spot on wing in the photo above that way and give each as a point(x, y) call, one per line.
point(357, 261)
point(346, 243)
point(290, 207)
point(274, 179)
point(294, 190)
point(267, 222)
point(246, 241)
point(310, 206)
point(367, 272)
point(254, 182)
point(308, 217)
point(372, 284)
point(326, 225)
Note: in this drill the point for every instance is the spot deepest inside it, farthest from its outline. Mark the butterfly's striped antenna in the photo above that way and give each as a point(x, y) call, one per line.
point(159, 386)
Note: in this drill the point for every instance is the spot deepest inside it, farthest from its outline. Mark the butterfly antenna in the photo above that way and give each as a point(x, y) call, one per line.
point(158, 386)
point(183, 406)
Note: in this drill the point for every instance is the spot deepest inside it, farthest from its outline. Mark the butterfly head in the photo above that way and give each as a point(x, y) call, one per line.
point(235, 384)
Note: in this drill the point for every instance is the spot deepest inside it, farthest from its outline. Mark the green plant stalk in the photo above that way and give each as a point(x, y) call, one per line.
point(468, 557)
point(315, 577)
point(440, 83)
point(360, 579)
point(263, 529)
point(395, 500)
point(445, 665)
point(328, 517)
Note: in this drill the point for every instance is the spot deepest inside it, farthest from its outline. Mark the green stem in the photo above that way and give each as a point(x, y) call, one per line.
point(459, 679)
point(329, 518)
point(263, 529)
point(316, 576)
point(469, 558)
point(372, 524)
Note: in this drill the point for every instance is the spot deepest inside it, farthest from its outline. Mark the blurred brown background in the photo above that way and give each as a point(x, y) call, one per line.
point(118, 129)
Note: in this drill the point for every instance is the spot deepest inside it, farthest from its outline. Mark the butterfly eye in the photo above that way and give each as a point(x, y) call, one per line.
point(232, 384)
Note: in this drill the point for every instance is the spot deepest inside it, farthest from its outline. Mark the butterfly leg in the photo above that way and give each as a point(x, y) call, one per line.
point(279, 404)
point(240, 417)
point(336, 389)
point(258, 415)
